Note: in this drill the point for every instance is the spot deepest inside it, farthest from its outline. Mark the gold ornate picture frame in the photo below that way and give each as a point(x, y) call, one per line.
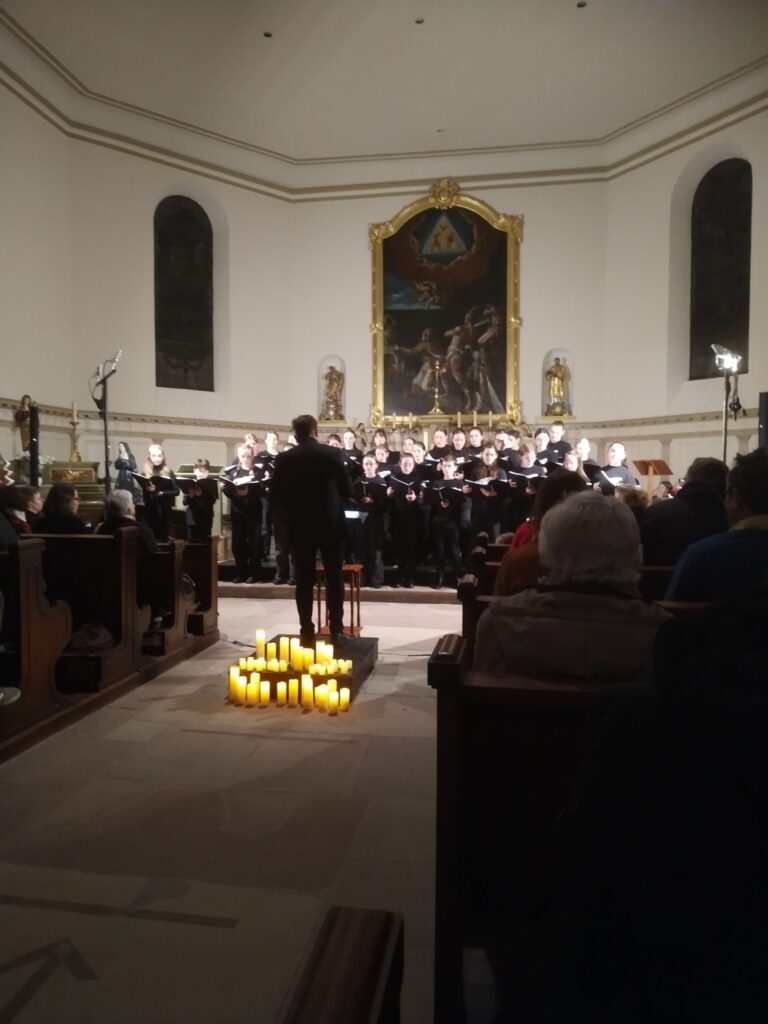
point(446, 319)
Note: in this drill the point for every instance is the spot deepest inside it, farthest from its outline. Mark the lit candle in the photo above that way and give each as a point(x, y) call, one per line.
point(297, 654)
point(490, 421)
point(242, 689)
point(458, 419)
point(252, 693)
point(332, 666)
point(243, 663)
point(273, 665)
point(282, 665)
point(283, 648)
point(333, 703)
point(332, 686)
point(234, 675)
point(474, 418)
point(281, 693)
point(260, 664)
point(319, 670)
point(321, 697)
point(250, 664)
point(271, 651)
point(344, 698)
point(320, 652)
point(307, 692)
point(309, 658)
point(293, 693)
point(313, 670)
point(328, 653)
point(260, 641)
point(265, 691)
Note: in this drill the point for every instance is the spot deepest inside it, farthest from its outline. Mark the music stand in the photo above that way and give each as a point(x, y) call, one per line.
point(649, 467)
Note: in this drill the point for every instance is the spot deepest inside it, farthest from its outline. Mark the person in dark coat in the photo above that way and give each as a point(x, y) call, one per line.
point(60, 511)
point(668, 527)
point(311, 484)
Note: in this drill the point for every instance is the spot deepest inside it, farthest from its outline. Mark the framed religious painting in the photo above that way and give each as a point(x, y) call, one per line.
point(446, 312)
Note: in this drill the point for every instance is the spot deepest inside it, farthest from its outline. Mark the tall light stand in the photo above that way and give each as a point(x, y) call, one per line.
point(728, 362)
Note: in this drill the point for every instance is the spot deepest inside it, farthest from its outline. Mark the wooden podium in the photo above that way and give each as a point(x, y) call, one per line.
point(650, 468)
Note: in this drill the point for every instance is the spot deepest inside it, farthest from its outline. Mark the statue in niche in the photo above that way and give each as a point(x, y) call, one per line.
point(21, 418)
point(556, 377)
point(334, 385)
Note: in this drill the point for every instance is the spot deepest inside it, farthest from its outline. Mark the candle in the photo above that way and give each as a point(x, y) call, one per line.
point(344, 698)
point(333, 666)
point(293, 693)
point(242, 685)
point(271, 651)
point(320, 652)
point(260, 640)
point(309, 658)
point(243, 664)
point(313, 670)
point(265, 691)
point(321, 697)
point(281, 693)
point(283, 648)
point(282, 665)
point(74, 411)
point(328, 653)
point(307, 692)
point(260, 664)
point(319, 670)
point(474, 418)
point(250, 664)
point(273, 665)
point(332, 686)
point(297, 654)
point(234, 675)
point(458, 419)
point(333, 703)
point(252, 693)
point(490, 421)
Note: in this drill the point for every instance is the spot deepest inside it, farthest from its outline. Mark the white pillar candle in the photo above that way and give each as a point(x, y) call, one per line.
point(265, 691)
point(261, 639)
point(293, 693)
point(333, 703)
point(281, 693)
point(344, 698)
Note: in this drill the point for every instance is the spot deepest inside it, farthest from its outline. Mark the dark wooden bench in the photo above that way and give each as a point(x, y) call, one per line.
point(354, 971)
point(162, 585)
point(34, 634)
point(96, 576)
point(509, 751)
point(200, 562)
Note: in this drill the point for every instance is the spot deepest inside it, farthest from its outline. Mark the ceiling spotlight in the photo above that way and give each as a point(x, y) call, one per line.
point(582, 3)
point(418, 21)
point(267, 35)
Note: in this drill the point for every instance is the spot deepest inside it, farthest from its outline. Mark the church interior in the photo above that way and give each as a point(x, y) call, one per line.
point(167, 857)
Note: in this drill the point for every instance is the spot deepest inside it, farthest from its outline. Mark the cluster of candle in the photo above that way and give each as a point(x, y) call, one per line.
point(248, 689)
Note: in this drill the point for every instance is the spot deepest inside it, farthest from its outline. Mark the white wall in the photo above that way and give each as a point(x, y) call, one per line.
point(601, 276)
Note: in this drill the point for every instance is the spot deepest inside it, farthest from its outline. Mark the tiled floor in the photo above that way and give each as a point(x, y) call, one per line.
point(169, 858)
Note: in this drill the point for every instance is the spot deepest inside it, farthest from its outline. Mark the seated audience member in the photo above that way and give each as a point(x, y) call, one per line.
point(634, 498)
point(13, 510)
point(663, 491)
point(521, 566)
point(697, 511)
point(730, 564)
point(8, 534)
point(120, 511)
point(60, 511)
point(33, 502)
point(587, 619)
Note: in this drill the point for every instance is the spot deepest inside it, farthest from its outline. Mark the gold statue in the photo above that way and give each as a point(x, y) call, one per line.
point(21, 416)
point(555, 377)
point(334, 386)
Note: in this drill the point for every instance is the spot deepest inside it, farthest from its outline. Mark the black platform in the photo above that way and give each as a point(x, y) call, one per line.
point(363, 650)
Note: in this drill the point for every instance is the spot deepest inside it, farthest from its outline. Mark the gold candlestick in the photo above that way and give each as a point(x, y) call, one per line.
point(74, 455)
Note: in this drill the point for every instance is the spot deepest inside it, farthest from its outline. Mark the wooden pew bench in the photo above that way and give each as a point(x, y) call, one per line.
point(95, 575)
point(509, 752)
point(34, 634)
point(200, 563)
point(354, 971)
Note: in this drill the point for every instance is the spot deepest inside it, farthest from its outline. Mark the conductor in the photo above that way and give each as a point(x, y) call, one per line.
point(311, 485)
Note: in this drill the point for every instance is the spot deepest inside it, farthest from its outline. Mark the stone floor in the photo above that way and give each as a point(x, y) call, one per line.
point(169, 858)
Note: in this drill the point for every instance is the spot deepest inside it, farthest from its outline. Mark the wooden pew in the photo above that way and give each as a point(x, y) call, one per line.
point(354, 971)
point(36, 633)
point(96, 576)
point(509, 750)
point(200, 562)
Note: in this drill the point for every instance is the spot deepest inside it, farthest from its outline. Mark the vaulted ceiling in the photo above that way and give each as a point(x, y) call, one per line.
point(343, 80)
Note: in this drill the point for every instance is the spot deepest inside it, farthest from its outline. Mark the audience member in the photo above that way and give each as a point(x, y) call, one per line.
point(697, 511)
point(120, 511)
point(590, 603)
point(60, 511)
point(33, 502)
point(13, 509)
point(730, 564)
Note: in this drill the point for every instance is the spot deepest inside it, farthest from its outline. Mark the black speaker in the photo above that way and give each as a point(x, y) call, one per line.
point(762, 420)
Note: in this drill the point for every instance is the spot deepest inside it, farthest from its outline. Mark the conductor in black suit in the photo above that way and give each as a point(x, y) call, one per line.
point(311, 485)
